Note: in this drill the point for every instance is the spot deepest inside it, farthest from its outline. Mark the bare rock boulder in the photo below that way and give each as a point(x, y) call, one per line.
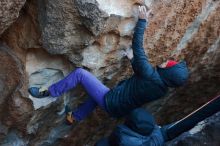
point(9, 12)
point(61, 28)
point(15, 108)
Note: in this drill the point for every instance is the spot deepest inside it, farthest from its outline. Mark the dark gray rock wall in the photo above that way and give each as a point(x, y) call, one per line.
point(206, 133)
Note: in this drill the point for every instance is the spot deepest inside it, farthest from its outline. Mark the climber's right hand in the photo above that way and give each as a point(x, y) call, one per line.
point(143, 13)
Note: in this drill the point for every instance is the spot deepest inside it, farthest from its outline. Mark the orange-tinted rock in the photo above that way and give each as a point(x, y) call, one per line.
point(10, 73)
point(202, 53)
point(15, 108)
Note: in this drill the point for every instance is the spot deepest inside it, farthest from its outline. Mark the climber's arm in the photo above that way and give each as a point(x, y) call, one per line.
point(139, 62)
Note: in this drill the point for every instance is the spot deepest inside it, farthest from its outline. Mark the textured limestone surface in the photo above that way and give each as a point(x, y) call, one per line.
point(9, 12)
point(52, 37)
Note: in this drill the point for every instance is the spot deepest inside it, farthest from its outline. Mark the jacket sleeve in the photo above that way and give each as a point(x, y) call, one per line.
point(140, 63)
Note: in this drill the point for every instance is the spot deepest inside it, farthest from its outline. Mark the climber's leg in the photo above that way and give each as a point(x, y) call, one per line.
point(92, 85)
point(84, 110)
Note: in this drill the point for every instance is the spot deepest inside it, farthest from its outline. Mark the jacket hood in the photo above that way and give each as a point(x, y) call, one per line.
point(140, 121)
point(124, 136)
point(174, 76)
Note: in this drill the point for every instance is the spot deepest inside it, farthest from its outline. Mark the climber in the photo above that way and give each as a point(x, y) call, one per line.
point(146, 84)
point(138, 129)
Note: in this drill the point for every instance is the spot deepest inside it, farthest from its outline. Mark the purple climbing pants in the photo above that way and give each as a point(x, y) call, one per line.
point(95, 89)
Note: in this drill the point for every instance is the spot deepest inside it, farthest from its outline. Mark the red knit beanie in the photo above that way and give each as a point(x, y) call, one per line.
point(171, 63)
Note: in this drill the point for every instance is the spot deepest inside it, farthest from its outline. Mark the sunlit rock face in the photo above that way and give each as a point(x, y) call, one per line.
point(52, 37)
point(9, 12)
point(124, 8)
point(83, 28)
point(196, 43)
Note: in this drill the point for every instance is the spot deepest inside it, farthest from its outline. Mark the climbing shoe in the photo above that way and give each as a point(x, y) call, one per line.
point(69, 116)
point(35, 92)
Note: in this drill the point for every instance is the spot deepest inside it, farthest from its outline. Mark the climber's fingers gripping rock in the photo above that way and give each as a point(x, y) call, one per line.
point(143, 13)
